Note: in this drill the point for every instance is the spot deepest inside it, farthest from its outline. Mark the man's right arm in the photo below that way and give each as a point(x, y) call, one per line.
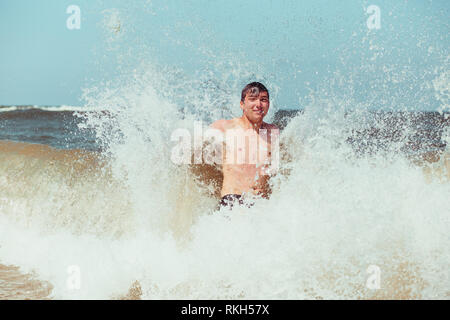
point(214, 142)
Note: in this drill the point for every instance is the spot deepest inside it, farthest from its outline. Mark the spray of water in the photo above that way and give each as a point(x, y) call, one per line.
point(339, 204)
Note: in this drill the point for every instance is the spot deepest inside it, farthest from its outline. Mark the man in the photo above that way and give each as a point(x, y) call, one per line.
point(249, 145)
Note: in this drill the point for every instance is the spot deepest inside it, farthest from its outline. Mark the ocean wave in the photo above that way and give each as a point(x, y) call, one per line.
point(60, 108)
point(328, 219)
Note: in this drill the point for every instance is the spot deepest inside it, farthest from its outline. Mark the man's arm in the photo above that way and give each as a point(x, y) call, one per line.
point(271, 169)
point(219, 125)
point(271, 126)
point(214, 142)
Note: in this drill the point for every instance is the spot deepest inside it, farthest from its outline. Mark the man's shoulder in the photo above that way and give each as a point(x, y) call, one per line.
point(270, 126)
point(224, 124)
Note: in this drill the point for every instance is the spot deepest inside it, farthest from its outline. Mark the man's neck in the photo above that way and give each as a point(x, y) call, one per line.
point(251, 125)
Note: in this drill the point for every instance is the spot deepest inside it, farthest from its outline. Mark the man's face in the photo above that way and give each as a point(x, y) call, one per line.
point(255, 106)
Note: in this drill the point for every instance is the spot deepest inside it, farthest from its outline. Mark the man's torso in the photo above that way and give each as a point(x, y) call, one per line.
point(246, 157)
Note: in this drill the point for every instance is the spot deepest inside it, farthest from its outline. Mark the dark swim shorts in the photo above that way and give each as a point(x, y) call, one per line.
point(229, 200)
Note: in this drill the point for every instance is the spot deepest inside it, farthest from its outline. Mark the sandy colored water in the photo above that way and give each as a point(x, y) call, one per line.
point(18, 285)
point(15, 285)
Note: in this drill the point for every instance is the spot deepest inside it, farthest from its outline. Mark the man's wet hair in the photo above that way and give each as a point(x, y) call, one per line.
point(253, 88)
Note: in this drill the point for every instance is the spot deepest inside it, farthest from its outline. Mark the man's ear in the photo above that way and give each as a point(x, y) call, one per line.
point(242, 106)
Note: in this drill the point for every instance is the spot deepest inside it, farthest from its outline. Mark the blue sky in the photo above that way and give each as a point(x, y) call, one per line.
point(296, 45)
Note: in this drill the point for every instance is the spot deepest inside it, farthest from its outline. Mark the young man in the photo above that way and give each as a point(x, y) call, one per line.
point(249, 145)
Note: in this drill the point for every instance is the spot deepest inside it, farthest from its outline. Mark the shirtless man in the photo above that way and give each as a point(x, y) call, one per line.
point(246, 166)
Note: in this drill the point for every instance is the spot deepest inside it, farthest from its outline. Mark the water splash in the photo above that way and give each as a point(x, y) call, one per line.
point(338, 205)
